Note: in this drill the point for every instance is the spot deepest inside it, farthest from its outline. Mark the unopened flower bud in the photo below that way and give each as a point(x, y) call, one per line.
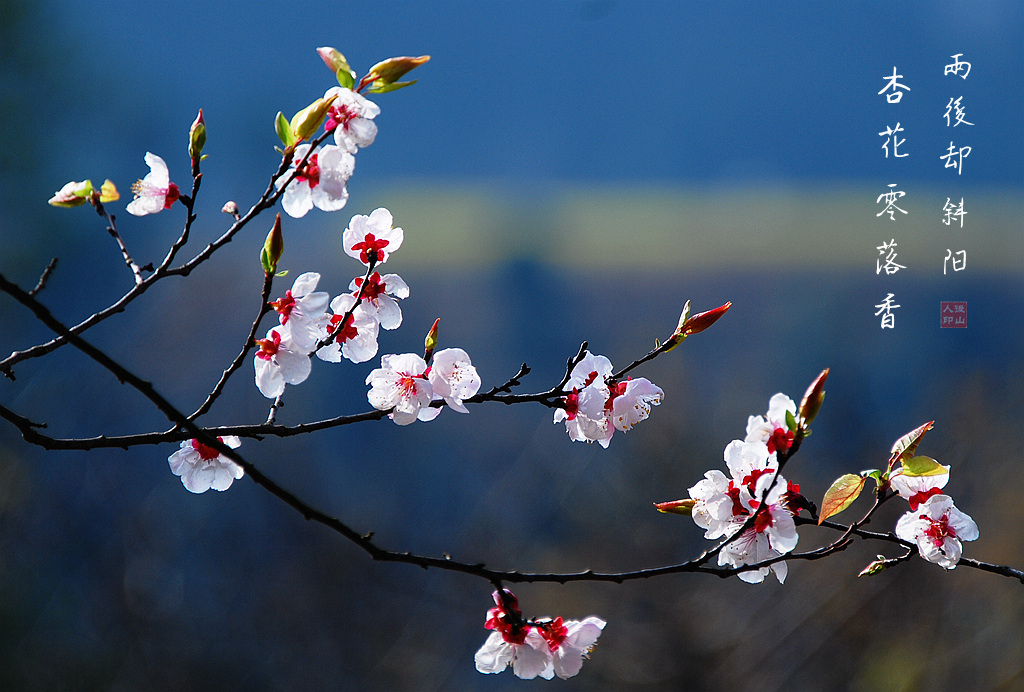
point(430, 342)
point(692, 324)
point(811, 403)
point(72, 194)
point(875, 567)
point(684, 507)
point(384, 75)
point(703, 320)
point(306, 122)
point(272, 248)
point(332, 58)
point(230, 208)
point(337, 64)
point(197, 137)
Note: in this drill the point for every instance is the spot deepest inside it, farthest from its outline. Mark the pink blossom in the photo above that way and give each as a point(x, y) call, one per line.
point(715, 504)
point(570, 642)
point(585, 415)
point(596, 406)
point(453, 378)
point(301, 311)
point(373, 234)
point(351, 117)
point(380, 295)
point(938, 527)
point(917, 489)
point(722, 505)
point(400, 384)
point(202, 467)
point(322, 181)
point(155, 192)
point(772, 429)
point(543, 647)
point(278, 362)
point(357, 339)
point(772, 535)
point(631, 402)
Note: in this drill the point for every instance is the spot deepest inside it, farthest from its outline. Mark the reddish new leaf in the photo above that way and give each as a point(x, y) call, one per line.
point(841, 495)
point(905, 447)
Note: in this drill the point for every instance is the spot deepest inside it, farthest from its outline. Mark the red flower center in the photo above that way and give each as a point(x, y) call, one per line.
point(938, 529)
point(780, 440)
point(374, 287)
point(173, 193)
point(346, 331)
point(762, 520)
point(284, 306)
point(371, 244)
point(310, 173)
point(206, 452)
point(571, 403)
point(920, 498)
point(339, 116)
point(554, 632)
point(269, 347)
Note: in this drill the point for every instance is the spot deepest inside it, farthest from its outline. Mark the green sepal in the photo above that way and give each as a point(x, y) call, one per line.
point(284, 130)
point(378, 88)
point(346, 77)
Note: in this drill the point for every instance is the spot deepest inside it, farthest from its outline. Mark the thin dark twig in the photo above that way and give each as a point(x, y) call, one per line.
point(41, 284)
point(112, 230)
point(364, 541)
point(268, 281)
point(267, 200)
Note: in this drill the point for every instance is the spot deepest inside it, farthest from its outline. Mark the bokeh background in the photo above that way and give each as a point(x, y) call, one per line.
point(564, 171)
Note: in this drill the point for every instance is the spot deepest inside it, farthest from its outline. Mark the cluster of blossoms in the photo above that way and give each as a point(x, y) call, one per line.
point(407, 385)
point(722, 504)
point(597, 405)
point(933, 523)
point(541, 647)
point(321, 176)
point(346, 327)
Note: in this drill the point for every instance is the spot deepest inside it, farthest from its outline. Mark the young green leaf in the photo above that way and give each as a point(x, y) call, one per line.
point(923, 466)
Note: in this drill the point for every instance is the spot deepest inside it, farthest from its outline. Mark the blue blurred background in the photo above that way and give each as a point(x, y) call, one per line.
point(564, 171)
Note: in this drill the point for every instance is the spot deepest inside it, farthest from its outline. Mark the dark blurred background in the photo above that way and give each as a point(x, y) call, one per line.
point(564, 171)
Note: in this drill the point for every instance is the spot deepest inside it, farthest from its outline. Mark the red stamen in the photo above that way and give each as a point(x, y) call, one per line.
point(781, 440)
point(269, 347)
point(368, 244)
point(173, 193)
point(346, 332)
point(310, 173)
point(284, 306)
point(374, 287)
point(206, 452)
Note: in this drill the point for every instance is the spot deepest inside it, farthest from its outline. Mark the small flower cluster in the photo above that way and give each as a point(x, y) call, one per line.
point(722, 505)
point(933, 522)
point(406, 385)
point(320, 178)
point(346, 327)
point(597, 405)
point(543, 647)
